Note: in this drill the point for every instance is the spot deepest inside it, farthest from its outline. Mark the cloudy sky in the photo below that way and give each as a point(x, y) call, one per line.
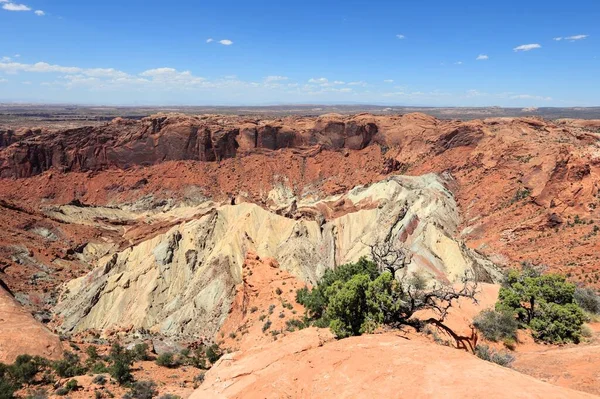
point(439, 53)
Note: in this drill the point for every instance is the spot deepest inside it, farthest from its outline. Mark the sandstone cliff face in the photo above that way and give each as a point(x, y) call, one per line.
point(182, 282)
point(125, 143)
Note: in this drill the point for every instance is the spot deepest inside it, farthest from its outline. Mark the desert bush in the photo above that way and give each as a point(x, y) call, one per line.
point(169, 396)
point(142, 390)
point(358, 297)
point(213, 353)
point(266, 326)
point(99, 379)
point(26, 367)
point(169, 360)
point(7, 386)
point(99, 367)
point(72, 385)
point(545, 303)
point(92, 353)
point(588, 300)
point(199, 378)
point(197, 359)
point(558, 323)
point(496, 326)
point(295, 324)
point(120, 364)
point(486, 353)
point(69, 366)
point(140, 352)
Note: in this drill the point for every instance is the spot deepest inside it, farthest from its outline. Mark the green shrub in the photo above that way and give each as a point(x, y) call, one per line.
point(143, 390)
point(69, 366)
point(62, 391)
point(99, 367)
point(169, 396)
point(92, 352)
point(99, 380)
point(26, 367)
point(120, 367)
point(496, 326)
point(486, 353)
point(558, 323)
point(266, 326)
point(213, 353)
point(7, 386)
point(72, 385)
point(295, 324)
point(316, 300)
point(545, 303)
point(140, 352)
point(169, 360)
point(198, 359)
point(588, 300)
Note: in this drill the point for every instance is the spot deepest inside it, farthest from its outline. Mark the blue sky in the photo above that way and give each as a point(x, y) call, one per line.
point(128, 52)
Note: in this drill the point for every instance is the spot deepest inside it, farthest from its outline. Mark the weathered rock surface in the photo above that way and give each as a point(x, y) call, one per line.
point(182, 282)
point(125, 143)
point(309, 364)
point(21, 334)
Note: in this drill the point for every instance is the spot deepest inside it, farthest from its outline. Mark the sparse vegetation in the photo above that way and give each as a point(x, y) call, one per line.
point(588, 300)
point(121, 361)
point(496, 326)
point(486, 353)
point(521, 194)
point(142, 390)
point(99, 379)
point(358, 297)
point(266, 326)
point(213, 353)
point(69, 366)
point(168, 359)
point(140, 352)
point(545, 303)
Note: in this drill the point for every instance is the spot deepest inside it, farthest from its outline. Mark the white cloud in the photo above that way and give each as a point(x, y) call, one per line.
point(482, 57)
point(458, 63)
point(26, 82)
point(5, 59)
point(275, 78)
point(15, 7)
point(2, 80)
point(14, 67)
point(318, 80)
point(339, 82)
point(571, 38)
point(226, 42)
point(389, 81)
point(209, 40)
point(576, 37)
point(39, 13)
point(527, 47)
point(401, 37)
point(358, 83)
point(530, 97)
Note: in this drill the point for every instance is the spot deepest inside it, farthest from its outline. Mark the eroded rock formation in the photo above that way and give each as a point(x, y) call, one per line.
point(182, 282)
